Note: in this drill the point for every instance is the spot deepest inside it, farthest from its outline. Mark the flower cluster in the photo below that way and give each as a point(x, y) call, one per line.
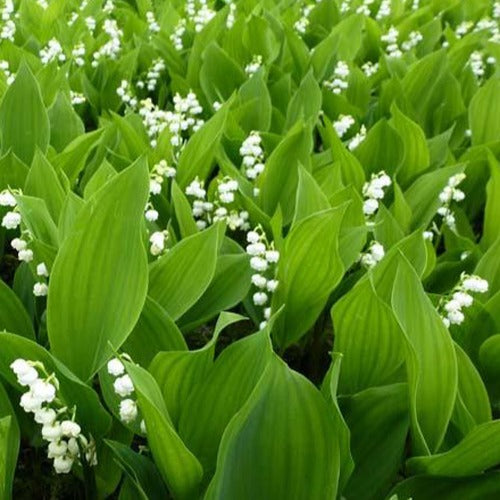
point(343, 124)
point(373, 255)
point(451, 306)
point(264, 258)
point(414, 38)
point(364, 8)
point(197, 15)
point(339, 80)
point(384, 10)
point(158, 240)
point(9, 26)
point(476, 64)
point(253, 155)
point(52, 52)
point(76, 98)
point(369, 68)
point(12, 219)
point(153, 25)
point(391, 41)
point(159, 173)
point(302, 23)
point(67, 444)
point(5, 68)
point(357, 139)
point(78, 54)
point(254, 65)
point(374, 191)
point(124, 387)
point(112, 47)
point(231, 16)
point(40, 288)
point(154, 73)
point(126, 94)
point(449, 194)
point(178, 33)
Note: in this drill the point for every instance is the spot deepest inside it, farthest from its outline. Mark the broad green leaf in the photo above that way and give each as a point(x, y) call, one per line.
point(477, 452)
point(36, 217)
point(306, 103)
point(24, 123)
point(13, 316)
point(491, 229)
point(430, 361)
point(180, 277)
point(99, 280)
point(229, 286)
point(42, 182)
point(415, 151)
point(90, 414)
point(65, 124)
point(183, 212)
point(154, 332)
point(484, 113)
point(369, 337)
point(13, 172)
point(310, 268)
point(256, 106)
point(102, 175)
point(378, 421)
point(278, 182)
point(140, 470)
point(215, 400)
point(9, 439)
point(179, 468)
point(301, 460)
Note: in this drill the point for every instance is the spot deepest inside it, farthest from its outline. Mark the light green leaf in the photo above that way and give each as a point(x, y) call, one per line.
point(13, 316)
point(484, 113)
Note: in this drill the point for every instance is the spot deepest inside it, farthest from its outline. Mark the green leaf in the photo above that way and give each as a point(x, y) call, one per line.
point(301, 460)
point(140, 470)
point(13, 316)
point(42, 182)
point(430, 361)
point(310, 268)
point(65, 123)
point(306, 103)
point(183, 212)
point(477, 452)
point(36, 217)
point(180, 277)
point(378, 421)
point(99, 280)
point(179, 468)
point(24, 123)
point(484, 113)
point(415, 151)
point(491, 228)
point(9, 439)
point(216, 399)
point(155, 331)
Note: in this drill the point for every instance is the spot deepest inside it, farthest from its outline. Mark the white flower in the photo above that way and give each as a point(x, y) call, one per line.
point(25, 255)
point(70, 428)
point(456, 317)
point(29, 402)
point(18, 244)
point(428, 235)
point(11, 220)
point(464, 299)
point(157, 240)
point(256, 249)
point(142, 426)
point(7, 199)
point(259, 281)
point(151, 215)
point(63, 464)
point(259, 264)
point(45, 416)
point(57, 449)
point(260, 298)
point(115, 367)
point(272, 256)
point(154, 187)
point(128, 410)
point(272, 285)
point(52, 432)
point(226, 197)
point(267, 312)
point(343, 124)
point(475, 284)
point(41, 270)
point(253, 237)
point(123, 386)
point(43, 390)
point(370, 206)
point(377, 250)
point(262, 325)
point(40, 289)
point(26, 373)
point(73, 446)
point(453, 305)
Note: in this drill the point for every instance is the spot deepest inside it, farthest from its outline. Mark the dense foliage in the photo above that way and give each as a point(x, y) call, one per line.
point(250, 250)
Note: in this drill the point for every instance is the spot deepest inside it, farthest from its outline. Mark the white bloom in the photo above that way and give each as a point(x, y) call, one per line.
point(57, 449)
point(115, 367)
point(370, 206)
point(428, 235)
point(70, 428)
point(456, 317)
point(52, 432)
point(262, 325)
point(259, 281)
point(128, 410)
point(63, 464)
point(40, 289)
point(226, 197)
point(157, 240)
point(377, 250)
point(272, 256)
point(259, 264)
point(29, 402)
point(272, 285)
point(260, 298)
point(256, 249)
point(453, 305)
point(123, 386)
point(475, 284)
point(151, 215)
point(43, 390)
point(25, 372)
point(18, 244)
point(11, 220)
point(7, 199)
point(25, 255)
point(154, 187)
point(267, 312)
point(45, 416)
point(464, 299)
point(253, 237)
point(41, 270)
